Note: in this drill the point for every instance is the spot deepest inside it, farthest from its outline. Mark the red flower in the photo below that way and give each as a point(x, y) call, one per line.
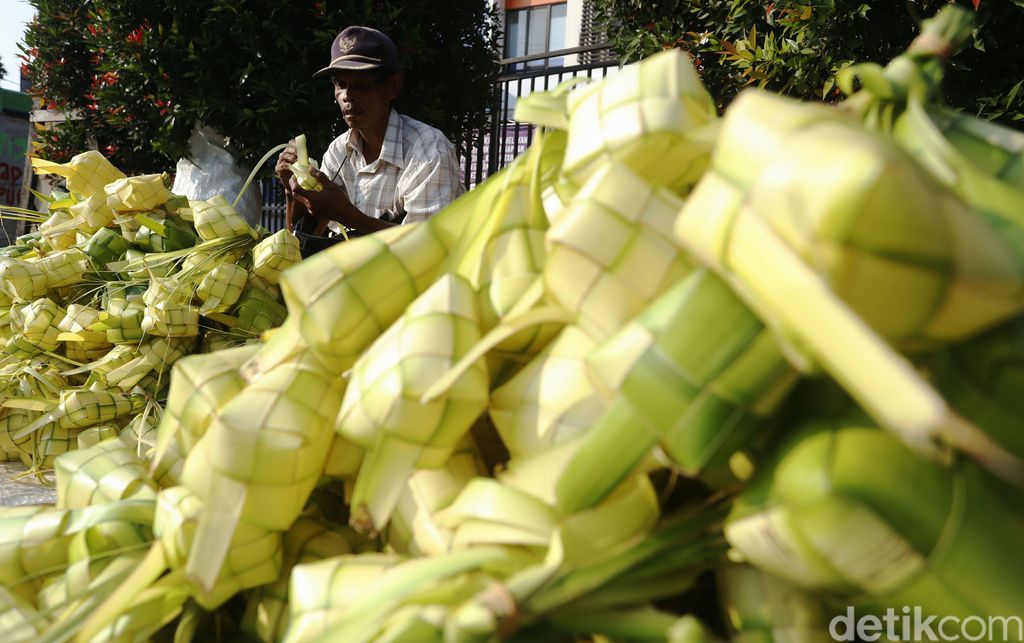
point(976, 3)
point(136, 34)
point(110, 149)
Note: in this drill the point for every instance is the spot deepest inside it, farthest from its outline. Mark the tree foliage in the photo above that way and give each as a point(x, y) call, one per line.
point(796, 47)
point(142, 74)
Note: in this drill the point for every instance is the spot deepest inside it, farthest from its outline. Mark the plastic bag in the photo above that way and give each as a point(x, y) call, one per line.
point(214, 170)
point(17, 488)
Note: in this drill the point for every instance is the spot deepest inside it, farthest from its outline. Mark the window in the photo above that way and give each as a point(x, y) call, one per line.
point(535, 30)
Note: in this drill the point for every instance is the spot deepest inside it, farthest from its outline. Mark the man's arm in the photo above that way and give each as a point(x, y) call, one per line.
point(430, 184)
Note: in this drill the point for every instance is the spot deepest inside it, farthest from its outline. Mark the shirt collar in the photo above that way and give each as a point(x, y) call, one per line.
point(391, 151)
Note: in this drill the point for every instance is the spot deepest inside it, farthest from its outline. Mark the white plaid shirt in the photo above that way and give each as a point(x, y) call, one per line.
point(417, 172)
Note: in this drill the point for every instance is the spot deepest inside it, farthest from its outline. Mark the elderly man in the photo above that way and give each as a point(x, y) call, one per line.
point(387, 168)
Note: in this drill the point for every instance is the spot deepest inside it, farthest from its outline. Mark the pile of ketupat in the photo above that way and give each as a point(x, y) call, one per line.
point(777, 351)
point(121, 281)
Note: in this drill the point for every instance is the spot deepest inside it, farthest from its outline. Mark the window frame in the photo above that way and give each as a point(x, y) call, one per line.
point(526, 9)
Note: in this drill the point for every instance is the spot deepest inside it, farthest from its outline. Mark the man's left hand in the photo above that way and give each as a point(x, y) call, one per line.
point(331, 203)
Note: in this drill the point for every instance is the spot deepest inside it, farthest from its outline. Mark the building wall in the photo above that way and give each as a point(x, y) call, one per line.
point(573, 24)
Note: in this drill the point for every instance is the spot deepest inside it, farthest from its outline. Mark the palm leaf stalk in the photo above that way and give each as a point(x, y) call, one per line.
point(761, 608)
point(981, 379)
point(696, 373)
point(922, 531)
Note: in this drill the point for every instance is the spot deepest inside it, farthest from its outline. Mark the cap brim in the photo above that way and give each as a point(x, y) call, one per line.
point(349, 65)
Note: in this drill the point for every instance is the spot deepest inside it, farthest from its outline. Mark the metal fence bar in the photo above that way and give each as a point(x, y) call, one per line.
point(513, 83)
point(272, 217)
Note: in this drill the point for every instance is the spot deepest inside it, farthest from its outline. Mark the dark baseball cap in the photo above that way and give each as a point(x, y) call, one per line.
point(361, 49)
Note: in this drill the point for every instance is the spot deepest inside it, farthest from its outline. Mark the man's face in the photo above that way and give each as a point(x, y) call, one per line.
point(365, 97)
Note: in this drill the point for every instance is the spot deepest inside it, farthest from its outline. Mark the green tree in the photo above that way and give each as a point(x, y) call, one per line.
point(796, 47)
point(143, 74)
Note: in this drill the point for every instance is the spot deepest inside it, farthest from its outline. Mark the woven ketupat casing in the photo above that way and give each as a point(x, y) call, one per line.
point(81, 343)
point(215, 219)
point(611, 250)
point(257, 311)
point(383, 411)
point(106, 472)
point(271, 438)
point(201, 385)
point(86, 407)
point(105, 246)
point(550, 400)
point(254, 553)
point(655, 117)
point(922, 531)
point(136, 193)
point(64, 267)
point(41, 324)
point(221, 288)
point(344, 297)
point(274, 254)
point(87, 173)
point(22, 281)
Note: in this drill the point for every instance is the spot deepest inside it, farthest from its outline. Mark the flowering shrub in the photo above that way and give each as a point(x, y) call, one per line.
point(141, 75)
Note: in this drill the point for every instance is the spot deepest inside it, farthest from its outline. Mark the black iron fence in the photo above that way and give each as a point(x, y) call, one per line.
point(273, 203)
point(490, 150)
point(486, 151)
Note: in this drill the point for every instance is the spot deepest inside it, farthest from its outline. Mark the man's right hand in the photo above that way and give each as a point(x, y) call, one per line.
point(284, 166)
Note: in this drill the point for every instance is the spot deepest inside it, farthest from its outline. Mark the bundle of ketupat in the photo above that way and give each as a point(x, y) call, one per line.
point(118, 284)
point(788, 336)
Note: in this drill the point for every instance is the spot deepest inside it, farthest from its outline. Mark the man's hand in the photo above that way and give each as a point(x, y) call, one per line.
point(284, 166)
point(332, 203)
